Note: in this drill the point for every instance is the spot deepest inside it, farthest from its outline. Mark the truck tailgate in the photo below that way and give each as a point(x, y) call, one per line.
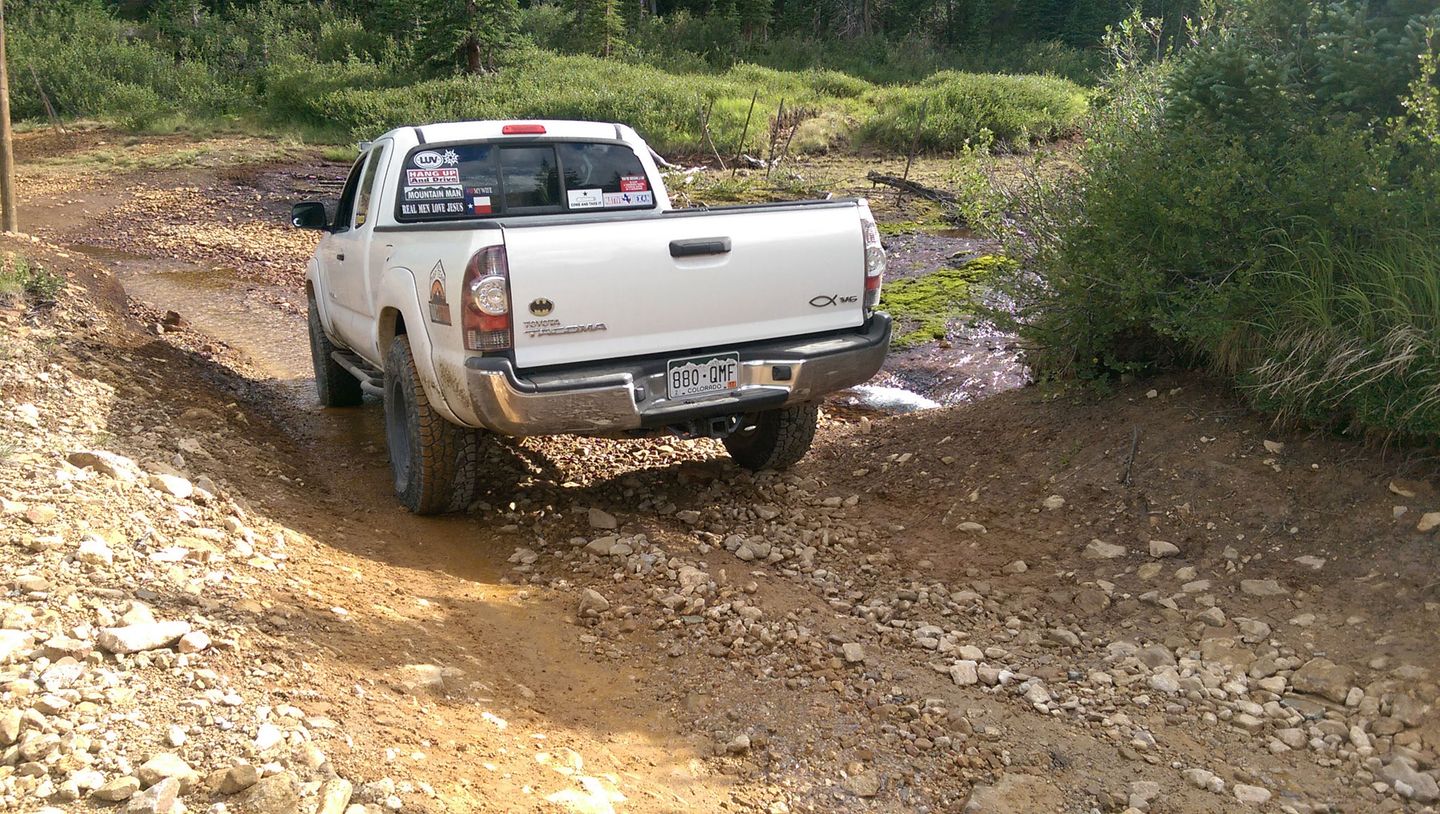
point(684, 280)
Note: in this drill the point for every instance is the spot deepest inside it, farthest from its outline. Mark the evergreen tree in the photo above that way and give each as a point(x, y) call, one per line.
point(599, 25)
point(472, 34)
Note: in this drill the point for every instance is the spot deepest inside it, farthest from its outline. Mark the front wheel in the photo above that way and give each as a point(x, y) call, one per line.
point(334, 385)
point(774, 439)
point(434, 462)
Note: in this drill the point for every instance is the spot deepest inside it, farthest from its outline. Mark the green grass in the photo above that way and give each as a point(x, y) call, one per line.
point(924, 307)
point(839, 110)
point(22, 280)
point(1346, 331)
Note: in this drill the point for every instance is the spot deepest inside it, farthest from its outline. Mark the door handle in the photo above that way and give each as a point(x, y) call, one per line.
point(340, 256)
point(699, 246)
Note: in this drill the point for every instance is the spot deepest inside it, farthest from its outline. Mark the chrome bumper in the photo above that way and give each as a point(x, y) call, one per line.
point(630, 395)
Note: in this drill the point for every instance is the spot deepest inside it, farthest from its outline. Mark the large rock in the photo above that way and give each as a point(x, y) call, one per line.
point(144, 636)
point(1262, 587)
point(1015, 794)
point(602, 520)
point(14, 643)
point(1325, 678)
point(1400, 775)
point(276, 794)
point(106, 463)
point(592, 603)
point(1251, 795)
point(161, 798)
point(335, 796)
point(1101, 550)
point(172, 485)
point(166, 766)
point(121, 788)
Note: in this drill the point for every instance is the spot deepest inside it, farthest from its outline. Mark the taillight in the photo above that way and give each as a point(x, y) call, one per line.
point(486, 296)
point(874, 261)
point(523, 130)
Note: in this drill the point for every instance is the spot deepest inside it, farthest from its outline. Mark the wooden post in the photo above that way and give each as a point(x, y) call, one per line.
point(745, 131)
point(9, 220)
point(775, 137)
point(915, 142)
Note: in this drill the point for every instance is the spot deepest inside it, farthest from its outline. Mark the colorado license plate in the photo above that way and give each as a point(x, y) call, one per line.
point(701, 375)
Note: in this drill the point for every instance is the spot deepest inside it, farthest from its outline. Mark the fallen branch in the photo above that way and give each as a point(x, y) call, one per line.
point(938, 195)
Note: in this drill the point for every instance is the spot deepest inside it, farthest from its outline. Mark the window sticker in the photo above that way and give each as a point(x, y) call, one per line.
point(441, 208)
point(629, 198)
point(445, 176)
point(430, 159)
point(586, 199)
point(633, 183)
point(480, 205)
point(433, 193)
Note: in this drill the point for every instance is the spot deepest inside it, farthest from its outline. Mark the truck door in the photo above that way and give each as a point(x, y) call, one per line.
point(345, 254)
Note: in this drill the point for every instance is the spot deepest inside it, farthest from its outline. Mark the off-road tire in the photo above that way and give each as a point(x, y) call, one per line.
point(334, 385)
point(774, 439)
point(432, 460)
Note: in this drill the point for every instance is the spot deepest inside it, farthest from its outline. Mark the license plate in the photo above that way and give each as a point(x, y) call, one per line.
point(702, 375)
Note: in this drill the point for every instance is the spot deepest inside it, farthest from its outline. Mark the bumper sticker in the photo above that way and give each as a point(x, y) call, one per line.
point(586, 199)
point(629, 198)
point(449, 176)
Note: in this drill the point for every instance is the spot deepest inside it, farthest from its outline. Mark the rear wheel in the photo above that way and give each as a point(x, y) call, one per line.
point(774, 439)
point(433, 461)
point(334, 385)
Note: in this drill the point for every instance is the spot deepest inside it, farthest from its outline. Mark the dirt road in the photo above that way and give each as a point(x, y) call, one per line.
point(960, 609)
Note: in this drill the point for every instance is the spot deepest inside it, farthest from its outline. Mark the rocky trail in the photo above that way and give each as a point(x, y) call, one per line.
point(213, 602)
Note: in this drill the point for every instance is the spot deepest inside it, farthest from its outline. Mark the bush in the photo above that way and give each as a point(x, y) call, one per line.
point(1265, 203)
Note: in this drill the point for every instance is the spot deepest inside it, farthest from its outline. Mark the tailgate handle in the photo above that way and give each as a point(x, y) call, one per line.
point(699, 246)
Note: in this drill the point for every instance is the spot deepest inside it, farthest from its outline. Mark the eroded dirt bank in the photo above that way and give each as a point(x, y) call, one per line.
point(962, 607)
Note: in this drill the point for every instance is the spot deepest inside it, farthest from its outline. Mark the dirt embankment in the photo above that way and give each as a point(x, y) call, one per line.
point(962, 607)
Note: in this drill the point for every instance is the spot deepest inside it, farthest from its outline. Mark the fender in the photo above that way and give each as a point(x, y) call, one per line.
point(312, 282)
point(398, 291)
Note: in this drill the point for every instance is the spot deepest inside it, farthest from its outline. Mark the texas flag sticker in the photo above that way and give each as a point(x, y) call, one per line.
point(480, 205)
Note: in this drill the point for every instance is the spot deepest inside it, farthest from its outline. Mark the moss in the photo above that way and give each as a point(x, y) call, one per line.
point(924, 307)
point(925, 217)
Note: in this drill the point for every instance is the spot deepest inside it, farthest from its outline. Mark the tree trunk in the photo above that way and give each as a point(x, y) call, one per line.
point(9, 218)
point(474, 58)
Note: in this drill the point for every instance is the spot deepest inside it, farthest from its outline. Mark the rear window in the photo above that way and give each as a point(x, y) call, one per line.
point(469, 181)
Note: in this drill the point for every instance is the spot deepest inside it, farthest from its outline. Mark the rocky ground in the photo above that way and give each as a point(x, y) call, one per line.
point(1039, 602)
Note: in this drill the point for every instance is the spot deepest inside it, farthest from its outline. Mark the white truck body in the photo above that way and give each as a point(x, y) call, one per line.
point(544, 284)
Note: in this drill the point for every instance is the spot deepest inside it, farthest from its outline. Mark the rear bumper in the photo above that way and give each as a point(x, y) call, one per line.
point(629, 395)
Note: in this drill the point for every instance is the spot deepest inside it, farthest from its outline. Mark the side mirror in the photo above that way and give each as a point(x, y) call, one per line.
point(310, 215)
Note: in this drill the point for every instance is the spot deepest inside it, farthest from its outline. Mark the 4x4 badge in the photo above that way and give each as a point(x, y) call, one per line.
point(541, 307)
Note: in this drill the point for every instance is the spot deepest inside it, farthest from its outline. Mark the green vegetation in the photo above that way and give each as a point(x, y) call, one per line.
point(1264, 202)
point(349, 69)
point(924, 307)
point(962, 108)
point(21, 279)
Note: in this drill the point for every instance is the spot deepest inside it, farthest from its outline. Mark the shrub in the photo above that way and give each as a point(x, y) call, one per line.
point(21, 279)
point(1265, 203)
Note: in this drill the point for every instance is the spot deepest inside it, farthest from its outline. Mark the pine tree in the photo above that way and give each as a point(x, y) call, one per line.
point(599, 25)
point(470, 34)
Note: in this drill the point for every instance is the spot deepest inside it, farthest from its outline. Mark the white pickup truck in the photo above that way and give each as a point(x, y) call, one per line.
point(531, 278)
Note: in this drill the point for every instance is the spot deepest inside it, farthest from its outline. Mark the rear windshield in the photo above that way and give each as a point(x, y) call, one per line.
point(470, 181)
